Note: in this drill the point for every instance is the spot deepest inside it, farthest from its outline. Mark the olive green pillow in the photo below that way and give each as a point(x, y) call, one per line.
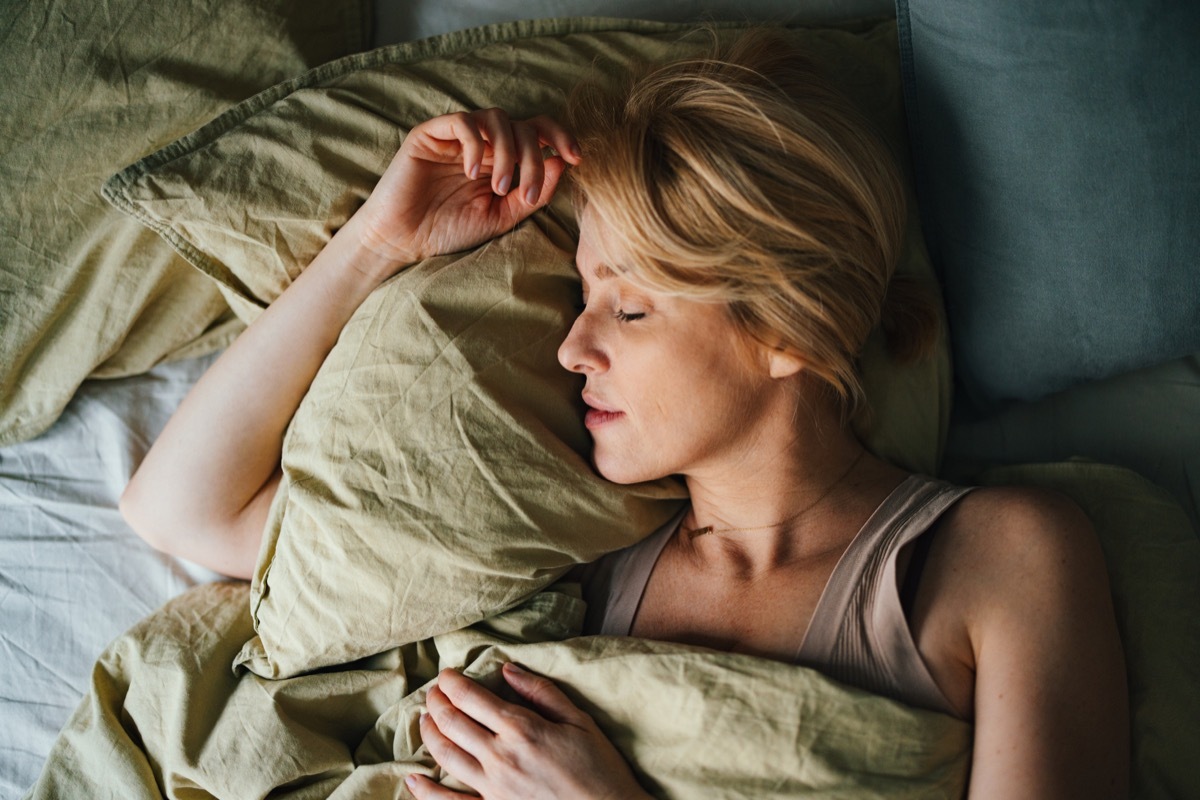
point(89, 87)
point(437, 471)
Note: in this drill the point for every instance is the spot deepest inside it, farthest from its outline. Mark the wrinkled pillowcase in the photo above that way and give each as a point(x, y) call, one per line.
point(437, 472)
point(84, 290)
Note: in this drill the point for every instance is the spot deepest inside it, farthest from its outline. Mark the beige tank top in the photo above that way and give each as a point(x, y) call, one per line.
point(858, 634)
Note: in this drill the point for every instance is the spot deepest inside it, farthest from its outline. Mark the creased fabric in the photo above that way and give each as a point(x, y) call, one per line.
point(437, 471)
point(167, 716)
point(89, 87)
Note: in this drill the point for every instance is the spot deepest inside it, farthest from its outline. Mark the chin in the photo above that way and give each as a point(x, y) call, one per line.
point(622, 470)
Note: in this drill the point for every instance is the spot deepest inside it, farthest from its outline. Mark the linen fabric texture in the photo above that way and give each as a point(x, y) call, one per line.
point(440, 453)
point(84, 290)
point(167, 718)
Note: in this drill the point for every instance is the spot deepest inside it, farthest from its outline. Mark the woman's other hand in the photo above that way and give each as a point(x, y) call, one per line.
point(503, 750)
point(461, 179)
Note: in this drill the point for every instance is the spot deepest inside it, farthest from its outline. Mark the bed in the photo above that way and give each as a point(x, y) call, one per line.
point(1065, 366)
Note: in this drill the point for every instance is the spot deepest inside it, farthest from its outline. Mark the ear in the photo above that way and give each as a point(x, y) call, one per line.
point(783, 364)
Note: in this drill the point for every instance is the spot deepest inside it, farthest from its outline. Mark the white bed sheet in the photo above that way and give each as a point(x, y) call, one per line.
point(73, 576)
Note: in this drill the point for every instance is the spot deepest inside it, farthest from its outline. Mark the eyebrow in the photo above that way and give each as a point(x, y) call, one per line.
point(603, 272)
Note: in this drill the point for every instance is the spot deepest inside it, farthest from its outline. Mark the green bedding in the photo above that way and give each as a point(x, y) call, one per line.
point(89, 87)
point(170, 711)
point(437, 472)
point(168, 716)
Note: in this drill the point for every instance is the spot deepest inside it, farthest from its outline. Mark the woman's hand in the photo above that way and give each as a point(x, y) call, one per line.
point(205, 488)
point(461, 179)
point(503, 750)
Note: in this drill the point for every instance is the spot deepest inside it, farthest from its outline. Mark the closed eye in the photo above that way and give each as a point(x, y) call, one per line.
point(624, 317)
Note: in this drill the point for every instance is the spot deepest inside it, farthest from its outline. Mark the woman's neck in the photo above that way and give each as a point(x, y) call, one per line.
point(777, 505)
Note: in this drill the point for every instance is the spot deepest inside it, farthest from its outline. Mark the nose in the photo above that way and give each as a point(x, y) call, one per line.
point(581, 351)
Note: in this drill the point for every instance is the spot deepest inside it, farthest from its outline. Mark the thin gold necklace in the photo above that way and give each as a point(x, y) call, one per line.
point(692, 533)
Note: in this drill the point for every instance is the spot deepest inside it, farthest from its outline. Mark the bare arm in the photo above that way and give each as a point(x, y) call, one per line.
point(204, 489)
point(1051, 705)
point(1016, 604)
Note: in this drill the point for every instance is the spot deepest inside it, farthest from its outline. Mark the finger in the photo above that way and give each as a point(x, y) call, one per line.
point(543, 694)
point(456, 725)
point(423, 788)
point(498, 131)
point(518, 207)
point(553, 134)
point(449, 756)
point(554, 168)
point(529, 150)
point(479, 704)
point(461, 129)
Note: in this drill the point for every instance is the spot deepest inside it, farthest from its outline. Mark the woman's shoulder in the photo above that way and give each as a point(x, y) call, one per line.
point(1021, 582)
point(1009, 571)
point(1015, 526)
point(1007, 551)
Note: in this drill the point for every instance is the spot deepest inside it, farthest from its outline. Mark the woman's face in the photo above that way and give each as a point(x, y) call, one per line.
point(672, 386)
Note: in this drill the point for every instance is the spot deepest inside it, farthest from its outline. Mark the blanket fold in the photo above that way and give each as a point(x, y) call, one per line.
point(170, 714)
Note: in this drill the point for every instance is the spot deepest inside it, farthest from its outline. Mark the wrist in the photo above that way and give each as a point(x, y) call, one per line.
point(372, 255)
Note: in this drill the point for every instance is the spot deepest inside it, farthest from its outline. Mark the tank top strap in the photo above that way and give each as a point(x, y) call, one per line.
point(858, 633)
point(613, 585)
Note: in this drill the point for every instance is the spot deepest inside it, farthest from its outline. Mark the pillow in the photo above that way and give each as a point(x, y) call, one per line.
point(437, 473)
point(89, 87)
point(1055, 146)
point(1153, 559)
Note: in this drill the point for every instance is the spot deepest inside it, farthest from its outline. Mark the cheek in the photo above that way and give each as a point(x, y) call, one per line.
point(685, 403)
point(716, 403)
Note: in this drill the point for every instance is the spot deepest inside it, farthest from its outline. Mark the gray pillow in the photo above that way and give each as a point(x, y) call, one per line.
point(1059, 179)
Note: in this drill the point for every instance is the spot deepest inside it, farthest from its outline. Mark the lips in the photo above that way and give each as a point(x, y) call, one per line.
point(598, 413)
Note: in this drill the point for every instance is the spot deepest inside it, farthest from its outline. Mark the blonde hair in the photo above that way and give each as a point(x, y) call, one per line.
point(745, 178)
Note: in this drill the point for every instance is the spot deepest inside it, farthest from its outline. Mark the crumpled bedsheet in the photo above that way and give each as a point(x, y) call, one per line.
point(169, 716)
point(73, 576)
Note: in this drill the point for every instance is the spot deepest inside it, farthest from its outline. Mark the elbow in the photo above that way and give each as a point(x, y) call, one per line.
point(131, 510)
point(139, 516)
point(177, 530)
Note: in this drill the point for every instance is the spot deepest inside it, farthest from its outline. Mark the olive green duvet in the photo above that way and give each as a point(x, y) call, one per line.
point(169, 716)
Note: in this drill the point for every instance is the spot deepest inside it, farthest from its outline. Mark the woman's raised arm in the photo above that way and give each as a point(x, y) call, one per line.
point(204, 488)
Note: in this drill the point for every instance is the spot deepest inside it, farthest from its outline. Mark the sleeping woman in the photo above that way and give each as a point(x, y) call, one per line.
point(739, 227)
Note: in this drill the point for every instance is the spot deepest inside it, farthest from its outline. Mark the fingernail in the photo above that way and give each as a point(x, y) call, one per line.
point(531, 195)
point(575, 151)
point(410, 782)
point(515, 667)
point(474, 172)
point(502, 186)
